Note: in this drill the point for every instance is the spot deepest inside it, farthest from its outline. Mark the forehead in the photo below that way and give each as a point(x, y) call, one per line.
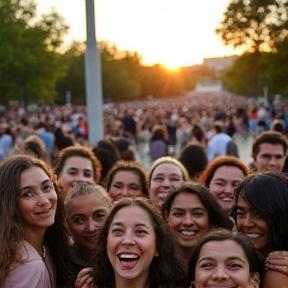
point(271, 149)
point(78, 162)
point(187, 199)
point(132, 215)
point(85, 203)
point(32, 176)
point(228, 173)
point(167, 169)
point(126, 176)
point(221, 250)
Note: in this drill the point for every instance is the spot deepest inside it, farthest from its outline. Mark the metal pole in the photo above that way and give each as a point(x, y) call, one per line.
point(94, 97)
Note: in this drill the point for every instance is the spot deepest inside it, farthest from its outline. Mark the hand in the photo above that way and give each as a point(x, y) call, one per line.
point(84, 278)
point(277, 260)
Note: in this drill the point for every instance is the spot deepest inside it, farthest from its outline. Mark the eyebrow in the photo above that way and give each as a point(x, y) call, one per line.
point(30, 186)
point(137, 225)
point(182, 209)
point(81, 214)
point(213, 259)
point(75, 168)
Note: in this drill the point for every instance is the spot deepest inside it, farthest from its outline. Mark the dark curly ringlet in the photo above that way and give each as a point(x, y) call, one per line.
point(267, 194)
point(217, 217)
point(130, 166)
point(11, 232)
point(80, 151)
point(222, 235)
point(165, 270)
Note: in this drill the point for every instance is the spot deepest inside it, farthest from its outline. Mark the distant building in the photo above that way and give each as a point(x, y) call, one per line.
point(206, 87)
point(219, 63)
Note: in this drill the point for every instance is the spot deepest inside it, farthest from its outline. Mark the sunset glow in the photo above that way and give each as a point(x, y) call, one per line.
point(170, 32)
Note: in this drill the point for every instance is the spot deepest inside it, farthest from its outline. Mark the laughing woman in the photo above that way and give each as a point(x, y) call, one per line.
point(136, 249)
point(33, 236)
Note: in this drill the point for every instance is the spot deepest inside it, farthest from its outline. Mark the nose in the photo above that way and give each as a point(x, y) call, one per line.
point(43, 199)
point(248, 222)
point(220, 274)
point(166, 182)
point(125, 192)
point(229, 188)
point(188, 220)
point(128, 239)
point(91, 227)
point(273, 161)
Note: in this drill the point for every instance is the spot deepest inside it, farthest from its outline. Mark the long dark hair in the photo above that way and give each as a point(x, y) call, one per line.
point(11, 232)
point(165, 270)
point(267, 194)
point(217, 218)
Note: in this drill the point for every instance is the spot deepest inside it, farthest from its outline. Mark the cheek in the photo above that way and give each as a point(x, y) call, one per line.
point(77, 230)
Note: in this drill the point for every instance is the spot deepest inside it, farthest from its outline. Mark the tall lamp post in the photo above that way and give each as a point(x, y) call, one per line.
point(94, 97)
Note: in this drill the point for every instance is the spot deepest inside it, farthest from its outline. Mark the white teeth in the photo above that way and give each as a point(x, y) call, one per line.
point(188, 233)
point(128, 256)
point(252, 235)
point(227, 199)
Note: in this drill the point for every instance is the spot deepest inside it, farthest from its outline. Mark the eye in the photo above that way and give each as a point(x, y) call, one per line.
point(117, 186)
point(234, 265)
point(177, 214)
point(28, 194)
point(117, 232)
point(158, 179)
point(219, 184)
point(88, 174)
point(47, 187)
point(240, 213)
point(135, 187)
point(100, 216)
point(198, 214)
point(207, 265)
point(79, 220)
point(175, 179)
point(141, 232)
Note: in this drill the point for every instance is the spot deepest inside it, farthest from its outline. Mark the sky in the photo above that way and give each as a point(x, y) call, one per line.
point(170, 32)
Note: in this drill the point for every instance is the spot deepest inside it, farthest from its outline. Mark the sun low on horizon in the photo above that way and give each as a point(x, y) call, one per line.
point(174, 33)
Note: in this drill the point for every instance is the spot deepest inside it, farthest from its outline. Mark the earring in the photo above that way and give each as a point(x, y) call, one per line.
point(156, 254)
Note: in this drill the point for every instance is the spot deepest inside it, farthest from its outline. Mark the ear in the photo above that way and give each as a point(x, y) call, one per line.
point(254, 280)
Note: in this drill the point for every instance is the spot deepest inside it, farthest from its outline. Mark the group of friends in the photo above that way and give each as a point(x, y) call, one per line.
point(67, 226)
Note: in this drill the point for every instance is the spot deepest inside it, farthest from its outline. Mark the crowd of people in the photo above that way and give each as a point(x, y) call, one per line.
point(198, 216)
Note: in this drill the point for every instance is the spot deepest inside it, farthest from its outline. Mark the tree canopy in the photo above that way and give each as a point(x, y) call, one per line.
point(254, 25)
point(29, 63)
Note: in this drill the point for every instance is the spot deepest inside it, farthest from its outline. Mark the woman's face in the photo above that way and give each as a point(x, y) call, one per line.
point(188, 220)
point(223, 264)
point(76, 169)
point(37, 200)
point(254, 227)
point(125, 184)
point(86, 217)
point(131, 243)
point(165, 177)
point(223, 184)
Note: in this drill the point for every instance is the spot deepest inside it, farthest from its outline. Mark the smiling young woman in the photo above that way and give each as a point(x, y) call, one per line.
point(224, 259)
point(33, 237)
point(190, 212)
point(136, 249)
point(262, 216)
point(88, 207)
